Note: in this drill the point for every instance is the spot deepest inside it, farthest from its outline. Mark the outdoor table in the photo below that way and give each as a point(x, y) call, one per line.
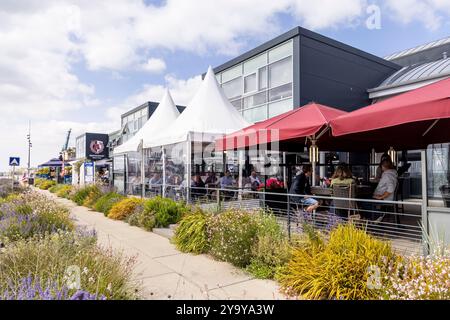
point(321, 191)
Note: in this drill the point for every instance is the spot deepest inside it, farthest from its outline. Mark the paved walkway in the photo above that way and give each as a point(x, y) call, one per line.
point(166, 273)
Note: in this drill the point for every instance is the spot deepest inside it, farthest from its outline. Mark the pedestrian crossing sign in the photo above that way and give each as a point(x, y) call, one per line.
point(14, 161)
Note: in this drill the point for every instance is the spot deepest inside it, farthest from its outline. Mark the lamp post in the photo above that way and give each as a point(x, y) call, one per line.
point(393, 154)
point(313, 158)
point(29, 149)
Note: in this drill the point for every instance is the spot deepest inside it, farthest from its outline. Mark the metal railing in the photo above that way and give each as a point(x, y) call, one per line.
point(397, 221)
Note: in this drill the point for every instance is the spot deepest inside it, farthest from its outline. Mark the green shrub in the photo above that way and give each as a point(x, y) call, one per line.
point(124, 208)
point(50, 259)
point(55, 188)
point(94, 194)
point(46, 184)
point(232, 234)
point(105, 202)
point(31, 214)
point(165, 211)
point(337, 268)
point(191, 234)
point(141, 218)
point(82, 193)
point(64, 191)
point(271, 249)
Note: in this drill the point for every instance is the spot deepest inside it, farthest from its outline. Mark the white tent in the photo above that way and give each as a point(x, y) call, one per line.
point(209, 113)
point(165, 114)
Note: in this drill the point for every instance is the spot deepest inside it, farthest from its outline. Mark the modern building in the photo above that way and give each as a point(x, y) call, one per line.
point(298, 67)
point(133, 120)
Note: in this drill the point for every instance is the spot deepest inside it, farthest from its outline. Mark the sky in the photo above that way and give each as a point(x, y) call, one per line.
point(79, 64)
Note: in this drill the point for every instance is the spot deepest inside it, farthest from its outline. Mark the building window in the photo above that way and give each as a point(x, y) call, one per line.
point(233, 88)
point(252, 65)
point(256, 114)
point(281, 92)
point(279, 107)
point(281, 51)
point(232, 73)
point(236, 104)
point(262, 78)
point(280, 72)
point(250, 83)
point(255, 99)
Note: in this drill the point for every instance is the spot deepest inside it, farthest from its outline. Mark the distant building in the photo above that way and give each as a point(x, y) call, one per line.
point(421, 65)
point(133, 120)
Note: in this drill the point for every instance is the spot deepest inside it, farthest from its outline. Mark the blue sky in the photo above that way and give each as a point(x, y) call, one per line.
point(79, 64)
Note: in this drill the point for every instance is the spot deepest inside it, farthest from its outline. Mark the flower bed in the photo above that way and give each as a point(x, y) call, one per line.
point(45, 257)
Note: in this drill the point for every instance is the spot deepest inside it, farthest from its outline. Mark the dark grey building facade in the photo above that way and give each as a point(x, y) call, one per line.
point(296, 68)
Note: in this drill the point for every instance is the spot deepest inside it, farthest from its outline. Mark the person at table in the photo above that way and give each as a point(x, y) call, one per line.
point(198, 186)
point(301, 186)
point(211, 179)
point(384, 157)
point(227, 180)
point(254, 180)
point(342, 176)
point(388, 182)
point(155, 181)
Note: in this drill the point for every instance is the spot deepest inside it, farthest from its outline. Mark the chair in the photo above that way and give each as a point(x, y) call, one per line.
point(345, 207)
point(445, 191)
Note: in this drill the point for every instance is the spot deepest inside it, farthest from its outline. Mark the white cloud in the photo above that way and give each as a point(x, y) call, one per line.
point(154, 65)
point(328, 13)
point(431, 13)
point(182, 92)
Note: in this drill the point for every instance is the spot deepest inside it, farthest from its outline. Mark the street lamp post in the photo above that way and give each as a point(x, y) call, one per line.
point(29, 150)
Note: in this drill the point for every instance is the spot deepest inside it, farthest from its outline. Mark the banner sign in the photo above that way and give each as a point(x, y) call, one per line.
point(97, 146)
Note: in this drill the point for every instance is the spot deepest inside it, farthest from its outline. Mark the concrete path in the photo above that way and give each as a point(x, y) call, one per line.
point(166, 273)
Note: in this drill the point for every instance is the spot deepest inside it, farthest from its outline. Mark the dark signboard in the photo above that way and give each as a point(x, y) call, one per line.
point(96, 146)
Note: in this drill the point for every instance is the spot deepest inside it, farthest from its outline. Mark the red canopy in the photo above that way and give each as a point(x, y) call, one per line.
point(306, 121)
point(411, 120)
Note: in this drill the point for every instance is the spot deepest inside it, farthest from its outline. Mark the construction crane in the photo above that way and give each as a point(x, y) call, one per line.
point(66, 145)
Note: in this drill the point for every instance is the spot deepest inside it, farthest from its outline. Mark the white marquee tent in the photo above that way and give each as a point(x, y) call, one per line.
point(165, 114)
point(209, 113)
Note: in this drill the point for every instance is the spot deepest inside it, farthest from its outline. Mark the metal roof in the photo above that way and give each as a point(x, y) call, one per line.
point(417, 49)
point(417, 73)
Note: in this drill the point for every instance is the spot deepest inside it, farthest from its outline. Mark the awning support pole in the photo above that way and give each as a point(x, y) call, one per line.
point(164, 171)
point(423, 156)
point(188, 169)
point(241, 164)
point(430, 127)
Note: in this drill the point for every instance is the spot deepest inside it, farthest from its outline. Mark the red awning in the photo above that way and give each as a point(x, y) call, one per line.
point(306, 121)
point(411, 120)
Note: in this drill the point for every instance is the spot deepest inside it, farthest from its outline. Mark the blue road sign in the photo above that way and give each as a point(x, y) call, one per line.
point(14, 161)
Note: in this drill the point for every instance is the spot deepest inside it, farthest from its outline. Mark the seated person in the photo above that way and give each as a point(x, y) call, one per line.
point(388, 182)
point(254, 181)
point(301, 186)
point(385, 190)
point(198, 185)
point(211, 179)
point(226, 181)
point(342, 176)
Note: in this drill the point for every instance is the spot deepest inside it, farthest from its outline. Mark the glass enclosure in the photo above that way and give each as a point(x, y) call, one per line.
point(133, 177)
point(119, 173)
point(439, 174)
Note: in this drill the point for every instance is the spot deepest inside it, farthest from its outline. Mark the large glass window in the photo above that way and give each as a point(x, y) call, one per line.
point(280, 72)
point(237, 104)
point(252, 65)
point(281, 52)
point(232, 73)
point(262, 81)
point(233, 88)
point(281, 92)
point(255, 99)
point(250, 83)
point(439, 172)
point(256, 114)
point(276, 108)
